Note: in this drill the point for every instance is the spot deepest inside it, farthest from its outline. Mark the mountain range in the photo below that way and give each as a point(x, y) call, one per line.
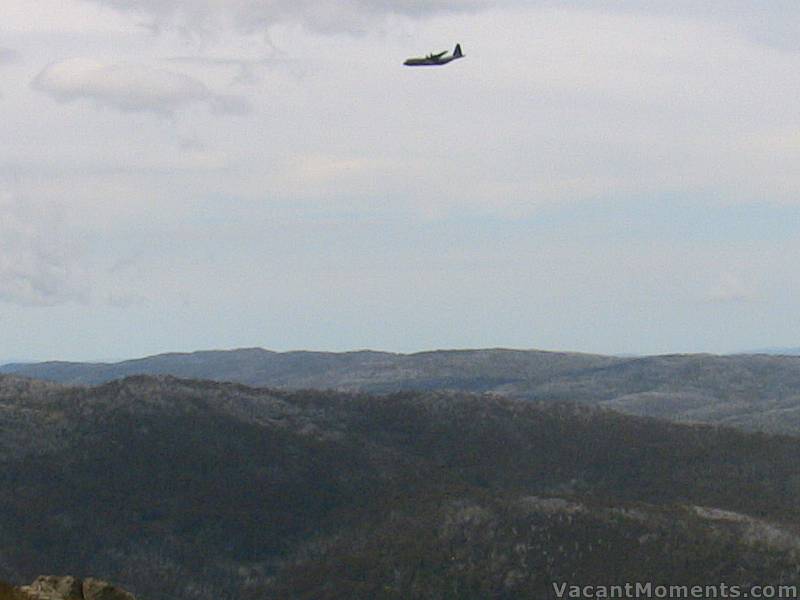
point(752, 392)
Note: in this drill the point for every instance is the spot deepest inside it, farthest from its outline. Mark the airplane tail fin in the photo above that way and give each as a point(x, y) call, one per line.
point(457, 52)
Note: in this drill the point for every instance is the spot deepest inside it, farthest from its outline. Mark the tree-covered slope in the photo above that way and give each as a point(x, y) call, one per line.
point(186, 489)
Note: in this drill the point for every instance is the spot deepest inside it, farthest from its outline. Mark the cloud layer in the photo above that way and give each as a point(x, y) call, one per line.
point(255, 15)
point(590, 177)
point(774, 23)
point(131, 87)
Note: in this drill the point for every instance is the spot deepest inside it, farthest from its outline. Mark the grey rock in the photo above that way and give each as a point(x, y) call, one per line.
point(49, 587)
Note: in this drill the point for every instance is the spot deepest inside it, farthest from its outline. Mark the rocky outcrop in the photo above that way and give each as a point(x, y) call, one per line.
point(72, 588)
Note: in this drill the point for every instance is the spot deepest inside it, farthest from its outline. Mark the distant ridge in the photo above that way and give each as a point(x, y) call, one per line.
point(753, 392)
point(776, 351)
point(359, 370)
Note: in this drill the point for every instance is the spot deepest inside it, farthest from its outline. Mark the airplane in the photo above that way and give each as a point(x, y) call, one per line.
point(435, 60)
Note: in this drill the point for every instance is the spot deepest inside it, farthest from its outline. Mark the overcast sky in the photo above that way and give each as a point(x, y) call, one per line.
point(615, 177)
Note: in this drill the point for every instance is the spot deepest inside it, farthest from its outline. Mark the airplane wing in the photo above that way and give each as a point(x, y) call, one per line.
point(439, 55)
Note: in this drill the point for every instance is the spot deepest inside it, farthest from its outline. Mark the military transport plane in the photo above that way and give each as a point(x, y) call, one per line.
point(435, 60)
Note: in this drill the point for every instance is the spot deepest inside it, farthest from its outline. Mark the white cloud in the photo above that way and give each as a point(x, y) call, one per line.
point(38, 259)
point(130, 87)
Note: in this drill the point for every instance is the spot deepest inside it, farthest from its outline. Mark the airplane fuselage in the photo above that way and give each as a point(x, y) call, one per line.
point(435, 60)
point(428, 62)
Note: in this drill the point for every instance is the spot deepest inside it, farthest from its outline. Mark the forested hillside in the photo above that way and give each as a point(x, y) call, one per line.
point(201, 490)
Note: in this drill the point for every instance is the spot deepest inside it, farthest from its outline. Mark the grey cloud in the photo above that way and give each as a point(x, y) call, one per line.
point(7, 55)
point(228, 104)
point(246, 69)
point(255, 15)
point(131, 87)
point(775, 23)
point(38, 260)
point(124, 300)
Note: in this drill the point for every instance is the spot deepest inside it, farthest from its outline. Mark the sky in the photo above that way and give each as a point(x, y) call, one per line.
point(614, 177)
